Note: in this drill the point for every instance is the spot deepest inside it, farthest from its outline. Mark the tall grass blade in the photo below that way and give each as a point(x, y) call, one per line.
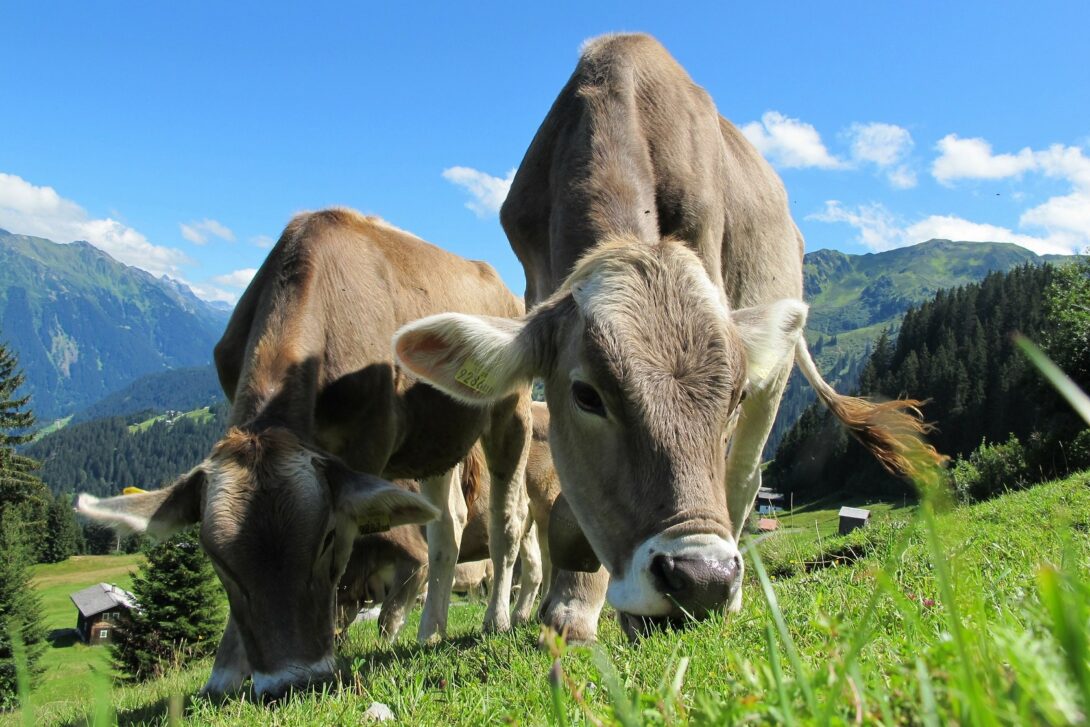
point(1069, 619)
point(802, 676)
point(788, 714)
point(623, 708)
point(978, 712)
point(1068, 389)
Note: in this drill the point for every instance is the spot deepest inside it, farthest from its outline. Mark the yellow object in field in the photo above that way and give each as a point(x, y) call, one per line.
point(132, 491)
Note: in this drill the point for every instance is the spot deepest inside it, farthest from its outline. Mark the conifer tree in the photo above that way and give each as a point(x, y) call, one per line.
point(20, 610)
point(20, 488)
point(179, 612)
point(63, 537)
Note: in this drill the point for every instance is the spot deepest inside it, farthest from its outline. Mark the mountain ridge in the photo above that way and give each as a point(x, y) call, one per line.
point(85, 325)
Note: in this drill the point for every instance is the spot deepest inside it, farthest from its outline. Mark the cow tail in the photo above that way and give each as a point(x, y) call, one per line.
point(893, 431)
point(472, 472)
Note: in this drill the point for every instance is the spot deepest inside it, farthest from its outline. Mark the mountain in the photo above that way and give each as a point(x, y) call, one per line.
point(174, 390)
point(853, 298)
point(85, 326)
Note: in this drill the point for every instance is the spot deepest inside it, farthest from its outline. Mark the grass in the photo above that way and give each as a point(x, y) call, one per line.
point(71, 667)
point(975, 615)
point(200, 416)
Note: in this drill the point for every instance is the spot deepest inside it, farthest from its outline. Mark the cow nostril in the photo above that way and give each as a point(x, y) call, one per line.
point(697, 586)
point(671, 579)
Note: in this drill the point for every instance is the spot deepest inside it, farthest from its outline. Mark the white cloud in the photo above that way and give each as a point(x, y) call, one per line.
point(878, 143)
point(199, 232)
point(28, 209)
point(973, 159)
point(789, 143)
point(901, 177)
point(879, 229)
point(206, 291)
point(885, 146)
point(236, 279)
point(1065, 219)
point(263, 241)
point(487, 192)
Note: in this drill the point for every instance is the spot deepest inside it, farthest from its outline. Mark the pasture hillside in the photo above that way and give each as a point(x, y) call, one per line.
point(972, 615)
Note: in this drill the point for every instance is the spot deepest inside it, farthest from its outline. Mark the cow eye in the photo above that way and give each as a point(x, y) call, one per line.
point(587, 399)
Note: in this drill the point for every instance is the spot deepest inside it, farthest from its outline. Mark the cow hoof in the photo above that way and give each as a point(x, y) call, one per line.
point(496, 626)
point(577, 628)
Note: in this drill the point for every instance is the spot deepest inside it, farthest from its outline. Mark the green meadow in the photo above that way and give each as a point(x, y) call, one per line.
point(931, 615)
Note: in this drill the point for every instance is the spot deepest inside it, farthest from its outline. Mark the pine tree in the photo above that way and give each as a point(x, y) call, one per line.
point(20, 488)
point(20, 610)
point(180, 610)
point(63, 537)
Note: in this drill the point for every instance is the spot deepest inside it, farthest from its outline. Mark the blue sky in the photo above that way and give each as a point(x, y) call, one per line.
point(181, 137)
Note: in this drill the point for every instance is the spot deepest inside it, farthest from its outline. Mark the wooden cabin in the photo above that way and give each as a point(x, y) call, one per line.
point(100, 608)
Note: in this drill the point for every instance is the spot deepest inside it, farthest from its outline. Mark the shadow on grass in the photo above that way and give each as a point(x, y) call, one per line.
point(63, 638)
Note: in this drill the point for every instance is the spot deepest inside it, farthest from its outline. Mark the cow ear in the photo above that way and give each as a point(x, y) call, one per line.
point(159, 513)
point(769, 333)
point(475, 359)
point(374, 504)
point(569, 548)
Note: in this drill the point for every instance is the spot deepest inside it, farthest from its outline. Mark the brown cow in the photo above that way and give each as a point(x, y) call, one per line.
point(307, 364)
point(389, 568)
point(667, 277)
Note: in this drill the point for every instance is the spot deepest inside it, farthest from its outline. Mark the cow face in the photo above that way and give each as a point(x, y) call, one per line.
point(278, 521)
point(645, 371)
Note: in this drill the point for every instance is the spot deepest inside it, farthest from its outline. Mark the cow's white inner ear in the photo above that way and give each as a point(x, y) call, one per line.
point(769, 333)
point(159, 513)
point(472, 358)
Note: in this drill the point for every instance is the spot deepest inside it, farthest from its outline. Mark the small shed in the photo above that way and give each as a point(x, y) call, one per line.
point(852, 518)
point(768, 525)
point(100, 609)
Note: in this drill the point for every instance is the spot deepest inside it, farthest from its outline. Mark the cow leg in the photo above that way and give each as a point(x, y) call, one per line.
point(743, 472)
point(530, 580)
point(231, 667)
point(444, 540)
point(506, 446)
point(408, 578)
point(574, 603)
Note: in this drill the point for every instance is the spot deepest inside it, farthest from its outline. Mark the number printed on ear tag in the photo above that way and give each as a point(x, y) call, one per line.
point(474, 376)
point(375, 524)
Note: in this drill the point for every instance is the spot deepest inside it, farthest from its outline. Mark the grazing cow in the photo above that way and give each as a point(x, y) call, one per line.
point(667, 277)
point(319, 412)
point(389, 568)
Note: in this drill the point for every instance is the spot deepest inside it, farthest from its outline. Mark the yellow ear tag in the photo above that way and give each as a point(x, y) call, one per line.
point(379, 523)
point(132, 491)
point(474, 376)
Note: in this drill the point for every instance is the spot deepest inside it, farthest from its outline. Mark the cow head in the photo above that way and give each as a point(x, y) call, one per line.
point(278, 521)
point(645, 371)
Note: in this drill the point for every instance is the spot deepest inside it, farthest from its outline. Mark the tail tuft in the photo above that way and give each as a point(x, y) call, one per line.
point(893, 431)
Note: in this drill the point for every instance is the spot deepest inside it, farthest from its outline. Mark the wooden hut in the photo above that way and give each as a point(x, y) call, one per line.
point(100, 609)
point(852, 518)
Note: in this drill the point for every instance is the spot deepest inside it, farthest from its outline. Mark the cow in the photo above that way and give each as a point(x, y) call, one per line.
point(390, 568)
point(320, 419)
point(664, 273)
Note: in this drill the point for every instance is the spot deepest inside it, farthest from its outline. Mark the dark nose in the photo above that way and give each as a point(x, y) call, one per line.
point(697, 585)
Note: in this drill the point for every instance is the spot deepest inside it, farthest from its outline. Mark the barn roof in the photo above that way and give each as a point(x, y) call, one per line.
point(854, 512)
point(101, 597)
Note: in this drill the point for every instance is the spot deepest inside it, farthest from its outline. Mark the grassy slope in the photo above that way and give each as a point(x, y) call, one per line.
point(1010, 671)
point(201, 416)
point(69, 663)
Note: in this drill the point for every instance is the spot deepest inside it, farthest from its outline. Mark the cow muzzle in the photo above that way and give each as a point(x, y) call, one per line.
point(678, 577)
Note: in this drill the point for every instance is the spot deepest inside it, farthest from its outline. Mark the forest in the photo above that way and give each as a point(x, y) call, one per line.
point(956, 352)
